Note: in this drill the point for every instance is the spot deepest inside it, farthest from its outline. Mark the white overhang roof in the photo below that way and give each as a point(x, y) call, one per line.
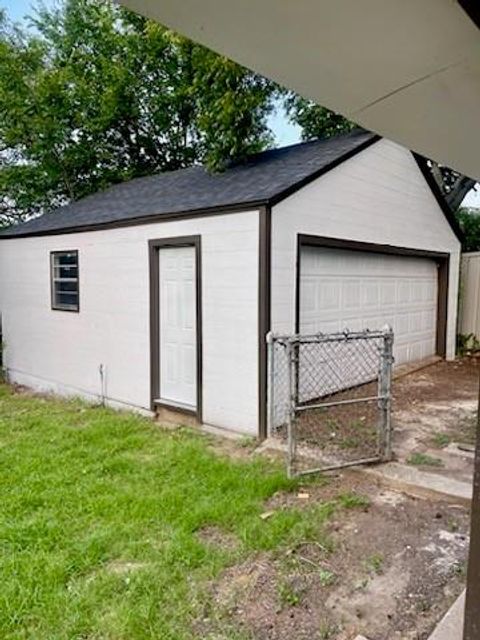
point(407, 69)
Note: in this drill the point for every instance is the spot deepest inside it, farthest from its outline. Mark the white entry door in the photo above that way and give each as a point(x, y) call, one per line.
point(358, 290)
point(178, 326)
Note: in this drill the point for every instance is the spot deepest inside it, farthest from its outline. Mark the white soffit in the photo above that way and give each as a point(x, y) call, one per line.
point(408, 69)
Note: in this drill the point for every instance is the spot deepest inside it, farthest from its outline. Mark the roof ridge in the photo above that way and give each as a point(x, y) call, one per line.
point(301, 144)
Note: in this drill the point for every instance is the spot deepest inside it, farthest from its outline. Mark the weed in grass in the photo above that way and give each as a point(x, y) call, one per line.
point(359, 434)
point(422, 605)
point(361, 585)
point(467, 430)
point(350, 442)
point(289, 594)
point(467, 343)
point(374, 563)
point(423, 459)
point(453, 525)
point(327, 631)
point(248, 442)
point(326, 577)
point(441, 440)
point(352, 500)
point(459, 569)
point(100, 518)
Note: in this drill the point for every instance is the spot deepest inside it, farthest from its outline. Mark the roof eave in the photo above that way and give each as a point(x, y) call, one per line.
point(422, 163)
point(141, 220)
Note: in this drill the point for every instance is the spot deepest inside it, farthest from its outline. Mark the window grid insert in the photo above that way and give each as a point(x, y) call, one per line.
point(65, 280)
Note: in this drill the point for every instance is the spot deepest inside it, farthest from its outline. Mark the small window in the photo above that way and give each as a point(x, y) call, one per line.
point(64, 278)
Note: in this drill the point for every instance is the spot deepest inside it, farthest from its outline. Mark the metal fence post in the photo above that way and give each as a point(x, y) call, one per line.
point(270, 383)
point(296, 357)
point(385, 393)
point(291, 390)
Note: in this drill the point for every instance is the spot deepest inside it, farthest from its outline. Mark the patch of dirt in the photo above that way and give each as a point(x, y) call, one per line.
point(395, 568)
point(441, 382)
point(123, 567)
point(324, 489)
point(434, 407)
point(215, 537)
point(20, 389)
point(431, 407)
point(343, 432)
point(348, 431)
point(241, 448)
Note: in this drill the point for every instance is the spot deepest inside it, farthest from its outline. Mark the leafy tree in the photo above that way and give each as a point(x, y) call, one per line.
point(453, 185)
point(97, 94)
point(314, 120)
point(469, 220)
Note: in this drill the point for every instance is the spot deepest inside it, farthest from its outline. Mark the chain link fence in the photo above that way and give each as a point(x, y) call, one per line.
point(329, 398)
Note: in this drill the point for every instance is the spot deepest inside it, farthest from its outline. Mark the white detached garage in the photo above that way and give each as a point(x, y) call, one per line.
point(158, 293)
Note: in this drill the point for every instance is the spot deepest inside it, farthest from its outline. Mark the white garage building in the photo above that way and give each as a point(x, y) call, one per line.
point(159, 292)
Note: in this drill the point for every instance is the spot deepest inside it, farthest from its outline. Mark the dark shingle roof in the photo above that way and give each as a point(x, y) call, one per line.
point(262, 178)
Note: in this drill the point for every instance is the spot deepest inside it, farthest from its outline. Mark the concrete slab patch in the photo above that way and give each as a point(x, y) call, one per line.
point(421, 484)
point(454, 450)
point(451, 626)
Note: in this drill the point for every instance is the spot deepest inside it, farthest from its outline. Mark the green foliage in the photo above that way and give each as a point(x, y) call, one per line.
point(354, 500)
point(97, 95)
point(374, 563)
point(326, 577)
point(100, 518)
point(469, 221)
point(288, 594)
point(467, 343)
point(315, 121)
point(327, 631)
point(441, 440)
point(423, 459)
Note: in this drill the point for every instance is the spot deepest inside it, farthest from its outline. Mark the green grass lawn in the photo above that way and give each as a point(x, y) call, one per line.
point(99, 520)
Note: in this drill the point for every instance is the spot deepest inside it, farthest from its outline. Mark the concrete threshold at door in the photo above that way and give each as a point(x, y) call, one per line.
point(172, 417)
point(451, 625)
point(421, 484)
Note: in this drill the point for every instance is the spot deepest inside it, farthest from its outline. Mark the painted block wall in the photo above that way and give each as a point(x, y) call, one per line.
point(61, 351)
point(378, 196)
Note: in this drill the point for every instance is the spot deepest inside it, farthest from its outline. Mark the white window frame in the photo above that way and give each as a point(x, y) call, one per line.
point(56, 281)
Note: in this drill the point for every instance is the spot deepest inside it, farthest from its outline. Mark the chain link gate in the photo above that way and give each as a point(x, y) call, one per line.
point(329, 398)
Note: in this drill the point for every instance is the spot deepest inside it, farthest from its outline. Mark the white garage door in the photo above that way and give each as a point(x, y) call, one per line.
point(359, 290)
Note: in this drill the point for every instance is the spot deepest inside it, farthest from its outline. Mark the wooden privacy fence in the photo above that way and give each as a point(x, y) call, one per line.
point(469, 310)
